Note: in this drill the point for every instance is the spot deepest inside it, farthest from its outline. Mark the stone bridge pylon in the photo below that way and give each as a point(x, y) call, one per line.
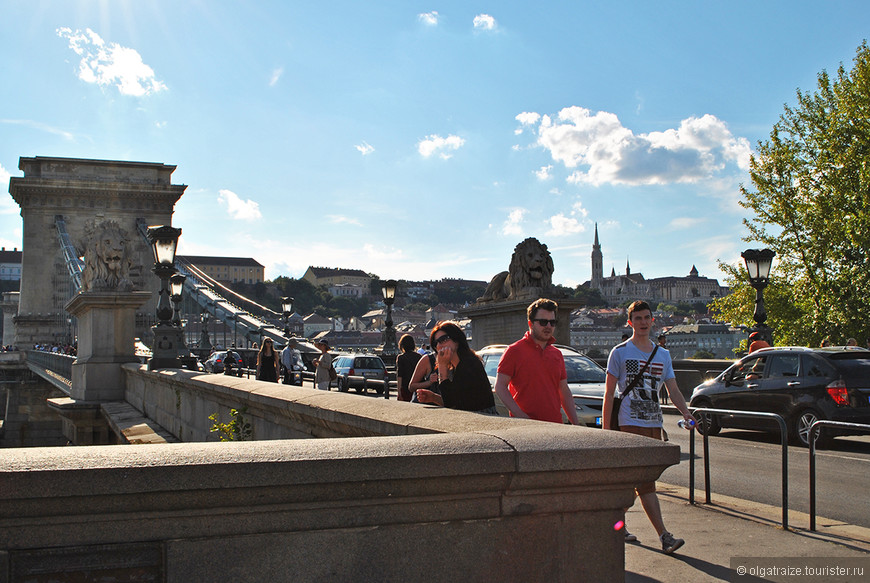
point(59, 199)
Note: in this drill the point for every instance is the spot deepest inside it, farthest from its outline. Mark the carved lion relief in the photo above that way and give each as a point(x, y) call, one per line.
point(107, 258)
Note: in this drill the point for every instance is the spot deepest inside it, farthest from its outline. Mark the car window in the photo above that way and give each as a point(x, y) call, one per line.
point(368, 362)
point(814, 367)
point(784, 365)
point(490, 364)
point(751, 368)
point(583, 370)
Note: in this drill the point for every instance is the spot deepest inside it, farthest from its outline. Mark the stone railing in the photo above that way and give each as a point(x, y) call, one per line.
point(433, 494)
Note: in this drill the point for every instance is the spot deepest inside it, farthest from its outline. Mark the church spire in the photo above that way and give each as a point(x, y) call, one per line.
point(597, 262)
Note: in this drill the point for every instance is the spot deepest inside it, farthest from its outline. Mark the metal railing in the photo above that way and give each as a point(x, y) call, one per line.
point(52, 366)
point(784, 439)
point(812, 441)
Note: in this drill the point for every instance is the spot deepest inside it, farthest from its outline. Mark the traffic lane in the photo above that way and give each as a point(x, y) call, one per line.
point(748, 465)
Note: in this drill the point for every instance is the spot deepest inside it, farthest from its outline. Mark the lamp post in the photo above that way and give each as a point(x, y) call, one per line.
point(286, 310)
point(176, 285)
point(390, 349)
point(168, 339)
point(204, 340)
point(758, 263)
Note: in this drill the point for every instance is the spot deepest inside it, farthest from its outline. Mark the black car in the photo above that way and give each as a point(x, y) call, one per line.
point(215, 362)
point(802, 385)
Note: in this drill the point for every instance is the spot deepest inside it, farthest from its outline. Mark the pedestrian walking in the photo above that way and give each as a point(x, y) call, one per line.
point(637, 368)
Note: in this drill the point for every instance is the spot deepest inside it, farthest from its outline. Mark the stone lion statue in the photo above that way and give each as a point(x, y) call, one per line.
point(107, 258)
point(529, 276)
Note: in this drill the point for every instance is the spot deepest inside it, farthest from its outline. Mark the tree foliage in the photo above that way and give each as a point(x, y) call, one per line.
point(810, 204)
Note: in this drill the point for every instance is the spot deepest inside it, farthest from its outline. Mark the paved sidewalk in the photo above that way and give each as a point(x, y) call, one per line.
point(730, 528)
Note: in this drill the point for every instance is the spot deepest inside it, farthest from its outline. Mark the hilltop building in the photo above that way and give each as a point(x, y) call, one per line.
point(228, 269)
point(617, 289)
point(346, 282)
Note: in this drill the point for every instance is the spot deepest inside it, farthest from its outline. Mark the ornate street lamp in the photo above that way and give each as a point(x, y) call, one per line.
point(204, 340)
point(176, 285)
point(286, 311)
point(391, 349)
point(758, 263)
point(168, 338)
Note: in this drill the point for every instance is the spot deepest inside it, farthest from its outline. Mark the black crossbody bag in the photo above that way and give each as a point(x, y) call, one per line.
point(617, 399)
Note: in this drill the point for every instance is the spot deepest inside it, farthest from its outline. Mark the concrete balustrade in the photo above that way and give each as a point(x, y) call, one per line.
point(427, 494)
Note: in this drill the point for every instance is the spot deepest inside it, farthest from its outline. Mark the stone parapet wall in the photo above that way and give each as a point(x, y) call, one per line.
point(524, 502)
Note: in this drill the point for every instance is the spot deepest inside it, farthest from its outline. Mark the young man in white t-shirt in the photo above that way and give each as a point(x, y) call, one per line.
point(640, 412)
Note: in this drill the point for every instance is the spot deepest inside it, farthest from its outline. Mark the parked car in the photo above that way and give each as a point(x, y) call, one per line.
point(369, 366)
point(215, 362)
point(586, 379)
point(802, 385)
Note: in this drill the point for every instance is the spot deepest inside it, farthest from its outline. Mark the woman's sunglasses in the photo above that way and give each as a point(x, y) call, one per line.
point(441, 339)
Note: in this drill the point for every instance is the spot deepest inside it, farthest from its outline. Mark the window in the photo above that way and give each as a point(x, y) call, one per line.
point(784, 365)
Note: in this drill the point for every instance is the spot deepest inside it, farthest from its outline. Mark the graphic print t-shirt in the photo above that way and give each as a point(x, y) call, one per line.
point(640, 406)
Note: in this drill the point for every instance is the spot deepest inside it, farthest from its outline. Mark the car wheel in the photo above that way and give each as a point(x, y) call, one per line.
point(707, 423)
point(342, 384)
point(800, 428)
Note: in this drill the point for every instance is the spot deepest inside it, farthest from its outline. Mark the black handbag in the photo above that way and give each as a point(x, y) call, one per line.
point(617, 399)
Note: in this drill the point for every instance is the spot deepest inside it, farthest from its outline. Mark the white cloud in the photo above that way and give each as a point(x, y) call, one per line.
point(111, 64)
point(513, 224)
point(528, 118)
point(341, 219)
point(544, 172)
point(39, 126)
point(484, 22)
point(276, 75)
point(609, 153)
point(686, 222)
point(561, 225)
point(365, 148)
point(7, 205)
point(437, 145)
point(429, 18)
point(245, 210)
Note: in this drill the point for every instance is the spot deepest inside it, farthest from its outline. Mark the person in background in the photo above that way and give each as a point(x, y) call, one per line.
point(462, 380)
point(851, 342)
point(291, 360)
point(405, 365)
point(322, 364)
point(267, 362)
point(756, 342)
point(532, 381)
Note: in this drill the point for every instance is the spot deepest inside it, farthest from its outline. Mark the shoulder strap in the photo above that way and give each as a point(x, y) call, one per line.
point(639, 376)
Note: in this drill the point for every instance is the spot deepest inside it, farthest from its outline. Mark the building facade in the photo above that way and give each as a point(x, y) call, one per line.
point(10, 265)
point(228, 269)
point(330, 276)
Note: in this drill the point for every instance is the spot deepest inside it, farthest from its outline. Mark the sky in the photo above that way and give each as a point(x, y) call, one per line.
point(424, 140)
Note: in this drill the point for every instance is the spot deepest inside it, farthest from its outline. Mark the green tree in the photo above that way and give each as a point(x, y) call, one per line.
point(810, 206)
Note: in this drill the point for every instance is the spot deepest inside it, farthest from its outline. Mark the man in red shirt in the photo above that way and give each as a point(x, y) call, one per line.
point(531, 380)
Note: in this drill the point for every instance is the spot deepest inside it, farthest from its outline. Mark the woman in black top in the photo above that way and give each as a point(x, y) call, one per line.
point(267, 362)
point(462, 380)
point(405, 364)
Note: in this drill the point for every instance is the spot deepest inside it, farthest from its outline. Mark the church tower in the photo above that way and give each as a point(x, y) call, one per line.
point(597, 263)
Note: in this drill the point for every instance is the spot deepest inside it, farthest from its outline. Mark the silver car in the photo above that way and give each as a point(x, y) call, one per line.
point(586, 379)
point(350, 367)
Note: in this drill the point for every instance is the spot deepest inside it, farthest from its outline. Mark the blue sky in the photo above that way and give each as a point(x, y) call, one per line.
point(422, 140)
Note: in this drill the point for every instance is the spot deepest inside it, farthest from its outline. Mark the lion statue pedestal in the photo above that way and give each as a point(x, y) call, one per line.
point(499, 316)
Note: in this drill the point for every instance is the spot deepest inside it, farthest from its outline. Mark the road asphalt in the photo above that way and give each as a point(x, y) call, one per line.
point(720, 537)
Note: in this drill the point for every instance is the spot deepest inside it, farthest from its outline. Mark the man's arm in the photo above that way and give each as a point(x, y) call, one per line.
point(568, 402)
point(607, 405)
point(501, 389)
point(677, 398)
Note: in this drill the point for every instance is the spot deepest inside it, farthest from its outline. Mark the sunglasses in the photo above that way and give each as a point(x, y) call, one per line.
point(544, 321)
point(441, 339)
